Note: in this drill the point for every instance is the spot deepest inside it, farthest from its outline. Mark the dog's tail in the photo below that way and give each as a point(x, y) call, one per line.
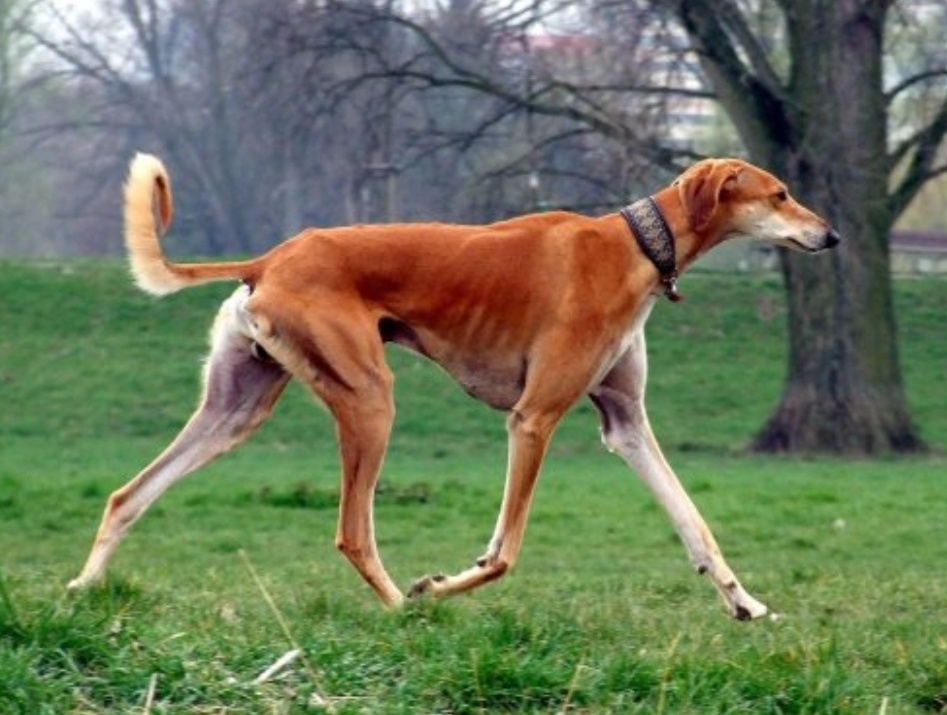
point(148, 183)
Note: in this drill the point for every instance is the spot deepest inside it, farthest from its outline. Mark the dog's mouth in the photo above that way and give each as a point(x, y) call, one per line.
point(825, 242)
point(804, 247)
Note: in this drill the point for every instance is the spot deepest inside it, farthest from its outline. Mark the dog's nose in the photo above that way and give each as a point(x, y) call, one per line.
point(832, 238)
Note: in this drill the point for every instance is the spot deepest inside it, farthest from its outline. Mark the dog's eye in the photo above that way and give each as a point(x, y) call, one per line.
point(782, 196)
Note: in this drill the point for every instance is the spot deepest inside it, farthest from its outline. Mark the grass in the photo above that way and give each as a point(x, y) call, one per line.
point(602, 614)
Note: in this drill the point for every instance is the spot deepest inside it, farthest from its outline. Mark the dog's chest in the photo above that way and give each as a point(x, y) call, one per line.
point(633, 334)
point(637, 324)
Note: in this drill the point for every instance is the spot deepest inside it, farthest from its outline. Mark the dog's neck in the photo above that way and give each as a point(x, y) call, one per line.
point(689, 245)
point(662, 229)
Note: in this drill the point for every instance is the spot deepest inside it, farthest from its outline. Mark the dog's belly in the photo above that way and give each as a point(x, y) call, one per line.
point(497, 385)
point(498, 382)
point(501, 389)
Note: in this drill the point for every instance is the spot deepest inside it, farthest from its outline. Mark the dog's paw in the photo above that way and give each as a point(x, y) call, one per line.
point(748, 608)
point(76, 585)
point(425, 585)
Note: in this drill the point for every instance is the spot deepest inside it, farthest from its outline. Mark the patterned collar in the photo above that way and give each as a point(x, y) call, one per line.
point(651, 231)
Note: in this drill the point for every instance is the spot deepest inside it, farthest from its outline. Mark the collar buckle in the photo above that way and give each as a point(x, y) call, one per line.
point(669, 281)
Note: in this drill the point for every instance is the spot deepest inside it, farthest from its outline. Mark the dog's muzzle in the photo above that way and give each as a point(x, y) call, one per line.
point(815, 243)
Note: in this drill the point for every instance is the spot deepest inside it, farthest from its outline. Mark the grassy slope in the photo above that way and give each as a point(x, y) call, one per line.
point(602, 612)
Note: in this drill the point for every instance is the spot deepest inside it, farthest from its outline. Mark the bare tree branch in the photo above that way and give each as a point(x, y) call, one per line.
point(913, 80)
point(925, 145)
point(436, 67)
point(757, 104)
point(733, 19)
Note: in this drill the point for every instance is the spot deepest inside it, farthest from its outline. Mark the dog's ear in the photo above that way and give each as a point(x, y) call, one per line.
point(703, 187)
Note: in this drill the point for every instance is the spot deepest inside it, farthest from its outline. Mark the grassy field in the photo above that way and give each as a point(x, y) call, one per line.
point(601, 615)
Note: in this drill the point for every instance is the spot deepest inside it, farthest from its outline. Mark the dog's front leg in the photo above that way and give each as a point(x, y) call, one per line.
point(529, 435)
point(641, 451)
point(626, 430)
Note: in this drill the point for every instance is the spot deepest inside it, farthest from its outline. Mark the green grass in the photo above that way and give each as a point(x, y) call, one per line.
point(601, 615)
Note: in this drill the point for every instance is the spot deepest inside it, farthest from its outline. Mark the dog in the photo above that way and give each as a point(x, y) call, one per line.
point(528, 315)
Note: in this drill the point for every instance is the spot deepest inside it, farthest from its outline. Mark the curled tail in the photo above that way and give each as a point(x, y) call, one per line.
point(145, 222)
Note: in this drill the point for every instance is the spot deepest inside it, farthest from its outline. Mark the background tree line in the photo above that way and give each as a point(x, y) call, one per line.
point(273, 116)
point(277, 115)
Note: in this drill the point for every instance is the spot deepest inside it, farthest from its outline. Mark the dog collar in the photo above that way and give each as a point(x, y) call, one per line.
point(651, 231)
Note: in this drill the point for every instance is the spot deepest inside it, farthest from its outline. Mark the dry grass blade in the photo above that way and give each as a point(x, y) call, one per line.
point(573, 683)
point(7, 601)
point(320, 698)
point(150, 695)
point(666, 677)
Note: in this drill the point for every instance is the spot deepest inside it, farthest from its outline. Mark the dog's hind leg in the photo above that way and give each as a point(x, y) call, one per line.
point(340, 356)
point(240, 390)
point(363, 423)
point(625, 430)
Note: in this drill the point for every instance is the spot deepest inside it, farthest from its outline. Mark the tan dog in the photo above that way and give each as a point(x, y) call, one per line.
point(528, 315)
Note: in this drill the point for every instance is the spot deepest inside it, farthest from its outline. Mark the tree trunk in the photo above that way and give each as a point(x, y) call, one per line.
point(824, 129)
point(844, 391)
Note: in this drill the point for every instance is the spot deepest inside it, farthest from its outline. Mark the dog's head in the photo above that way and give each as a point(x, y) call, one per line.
point(729, 198)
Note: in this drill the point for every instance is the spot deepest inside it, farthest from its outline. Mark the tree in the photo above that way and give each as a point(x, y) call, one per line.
point(6, 64)
point(18, 95)
point(170, 76)
point(822, 122)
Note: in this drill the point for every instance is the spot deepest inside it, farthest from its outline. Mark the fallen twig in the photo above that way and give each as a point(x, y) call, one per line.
point(284, 660)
